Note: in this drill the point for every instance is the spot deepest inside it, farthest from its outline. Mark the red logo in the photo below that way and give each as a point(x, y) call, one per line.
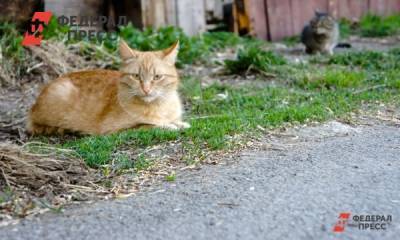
point(33, 36)
point(342, 222)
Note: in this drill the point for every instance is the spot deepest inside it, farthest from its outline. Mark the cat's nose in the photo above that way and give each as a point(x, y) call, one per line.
point(146, 89)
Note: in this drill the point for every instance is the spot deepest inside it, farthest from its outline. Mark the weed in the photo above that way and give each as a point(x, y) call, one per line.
point(171, 177)
point(123, 161)
point(254, 58)
point(291, 41)
point(377, 26)
point(10, 43)
point(141, 163)
point(333, 79)
point(345, 28)
point(6, 194)
point(370, 60)
point(55, 30)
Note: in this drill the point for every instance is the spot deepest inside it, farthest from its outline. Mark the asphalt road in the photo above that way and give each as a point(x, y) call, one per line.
point(292, 193)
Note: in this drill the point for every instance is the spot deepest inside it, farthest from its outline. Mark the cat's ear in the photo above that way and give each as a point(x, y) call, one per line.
point(170, 54)
point(319, 13)
point(125, 51)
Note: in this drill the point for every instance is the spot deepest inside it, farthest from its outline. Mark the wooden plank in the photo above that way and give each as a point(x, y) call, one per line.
point(209, 5)
point(219, 9)
point(153, 13)
point(214, 9)
point(170, 12)
point(159, 13)
point(393, 7)
point(191, 16)
point(350, 9)
point(279, 19)
point(377, 6)
point(76, 8)
point(256, 10)
point(384, 7)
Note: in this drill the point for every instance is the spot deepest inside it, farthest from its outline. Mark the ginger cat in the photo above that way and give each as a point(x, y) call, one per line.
point(143, 92)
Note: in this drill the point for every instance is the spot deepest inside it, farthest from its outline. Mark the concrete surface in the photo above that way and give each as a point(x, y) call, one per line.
point(295, 192)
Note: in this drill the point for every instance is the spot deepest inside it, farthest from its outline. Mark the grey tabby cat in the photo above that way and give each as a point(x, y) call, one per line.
point(321, 35)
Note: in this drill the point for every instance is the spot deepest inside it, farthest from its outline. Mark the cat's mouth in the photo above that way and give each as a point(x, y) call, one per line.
point(322, 31)
point(149, 97)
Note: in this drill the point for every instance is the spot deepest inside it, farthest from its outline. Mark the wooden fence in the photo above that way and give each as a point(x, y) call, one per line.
point(187, 14)
point(269, 19)
point(276, 19)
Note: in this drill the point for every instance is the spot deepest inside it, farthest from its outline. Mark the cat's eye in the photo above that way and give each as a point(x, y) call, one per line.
point(125, 84)
point(134, 75)
point(158, 77)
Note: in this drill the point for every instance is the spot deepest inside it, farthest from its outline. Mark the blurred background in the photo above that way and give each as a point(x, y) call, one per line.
point(264, 19)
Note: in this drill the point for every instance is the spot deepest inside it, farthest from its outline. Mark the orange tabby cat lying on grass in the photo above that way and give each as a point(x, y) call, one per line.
point(143, 92)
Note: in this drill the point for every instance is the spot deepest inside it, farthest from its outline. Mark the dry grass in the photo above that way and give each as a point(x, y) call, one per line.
point(53, 59)
point(55, 167)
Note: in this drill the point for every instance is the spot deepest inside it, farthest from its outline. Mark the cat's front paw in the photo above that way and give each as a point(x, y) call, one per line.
point(175, 125)
point(169, 126)
point(182, 125)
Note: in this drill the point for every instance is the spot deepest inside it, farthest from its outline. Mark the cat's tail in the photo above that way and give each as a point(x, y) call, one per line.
point(343, 45)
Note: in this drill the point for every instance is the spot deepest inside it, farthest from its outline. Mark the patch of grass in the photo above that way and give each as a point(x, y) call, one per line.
point(10, 43)
point(171, 177)
point(97, 150)
point(291, 41)
point(370, 60)
point(333, 79)
point(345, 27)
point(6, 194)
point(254, 58)
point(377, 26)
point(142, 163)
point(371, 25)
point(55, 30)
point(123, 161)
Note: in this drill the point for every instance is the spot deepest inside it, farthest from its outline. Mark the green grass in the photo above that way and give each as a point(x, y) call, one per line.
point(170, 178)
point(371, 25)
point(254, 58)
point(376, 26)
point(345, 28)
point(333, 79)
point(291, 41)
point(10, 42)
point(369, 60)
